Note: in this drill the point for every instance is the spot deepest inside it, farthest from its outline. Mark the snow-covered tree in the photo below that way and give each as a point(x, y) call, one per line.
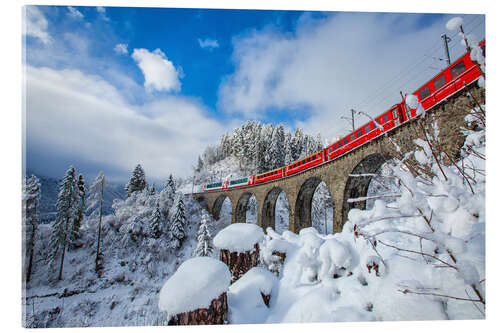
point(266, 162)
point(67, 206)
point(79, 214)
point(204, 247)
point(297, 144)
point(319, 142)
point(155, 223)
point(199, 165)
point(152, 190)
point(177, 227)
point(96, 193)
point(137, 181)
point(31, 197)
point(167, 196)
point(276, 150)
point(287, 146)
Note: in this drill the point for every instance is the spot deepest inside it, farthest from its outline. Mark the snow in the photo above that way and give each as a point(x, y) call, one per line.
point(481, 82)
point(454, 23)
point(413, 103)
point(333, 255)
point(239, 237)
point(194, 285)
point(245, 296)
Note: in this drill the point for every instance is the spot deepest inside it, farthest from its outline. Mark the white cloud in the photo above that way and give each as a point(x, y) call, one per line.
point(102, 13)
point(330, 66)
point(36, 25)
point(208, 43)
point(159, 72)
point(121, 48)
point(75, 13)
point(69, 112)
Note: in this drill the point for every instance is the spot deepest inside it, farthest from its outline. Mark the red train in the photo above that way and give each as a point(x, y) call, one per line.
point(454, 78)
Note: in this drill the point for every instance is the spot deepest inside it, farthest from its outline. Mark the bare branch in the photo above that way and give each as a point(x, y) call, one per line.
point(407, 291)
point(418, 252)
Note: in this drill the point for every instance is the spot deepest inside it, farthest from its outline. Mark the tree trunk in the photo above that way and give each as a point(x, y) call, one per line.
point(62, 262)
point(31, 254)
point(97, 266)
point(215, 314)
point(64, 249)
point(240, 263)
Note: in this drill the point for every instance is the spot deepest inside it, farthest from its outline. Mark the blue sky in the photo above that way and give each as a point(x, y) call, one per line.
point(107, 88)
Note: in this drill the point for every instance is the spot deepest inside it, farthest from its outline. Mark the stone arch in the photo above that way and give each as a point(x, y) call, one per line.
point(303, 203)
point(242, 207)
point(358, 186)
point(325, 209)
point(202, 201)
point(268, 209)
point(218, 205)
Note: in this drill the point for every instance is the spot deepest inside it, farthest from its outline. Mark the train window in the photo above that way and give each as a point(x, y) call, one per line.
point(367, 128)
point(346, 141)
point(360, 133)
point(314, 157)
point(457, 69)
point(424, 93)
point(340, 144)
point(352, 137)
point(395, 114)
point(386, 118)
point(439, 82)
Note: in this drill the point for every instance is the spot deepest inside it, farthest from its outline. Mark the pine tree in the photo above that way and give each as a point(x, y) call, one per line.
point(137, 181)
point(167, 195)
point(67, 204)
point(319, 142)
point(177, 231)
point(266, 162)
point(31, 197)
point(152, 189)
point(96, 193)
point(204, 247)
point(287, 147)
point(199, 166)
point(276, 150)
point(154, 224)
point(297, 144)
point(80, 208)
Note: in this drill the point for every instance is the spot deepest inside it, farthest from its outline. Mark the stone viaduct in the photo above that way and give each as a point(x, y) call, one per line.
point(299, 188)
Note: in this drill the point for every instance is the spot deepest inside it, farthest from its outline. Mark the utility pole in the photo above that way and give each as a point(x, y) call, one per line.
point(351, 120)
point(446, 49)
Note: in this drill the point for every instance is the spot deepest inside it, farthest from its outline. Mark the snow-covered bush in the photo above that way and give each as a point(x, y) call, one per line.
point(436, 223)
point(418, 256)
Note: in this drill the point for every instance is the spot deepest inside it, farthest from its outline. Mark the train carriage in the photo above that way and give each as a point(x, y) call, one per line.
point(241, 182)
point(460, 73)
point(212, 187)
point(305, 163)
point(267, 176)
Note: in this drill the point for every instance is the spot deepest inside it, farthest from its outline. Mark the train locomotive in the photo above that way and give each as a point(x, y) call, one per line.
point(448, 82)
